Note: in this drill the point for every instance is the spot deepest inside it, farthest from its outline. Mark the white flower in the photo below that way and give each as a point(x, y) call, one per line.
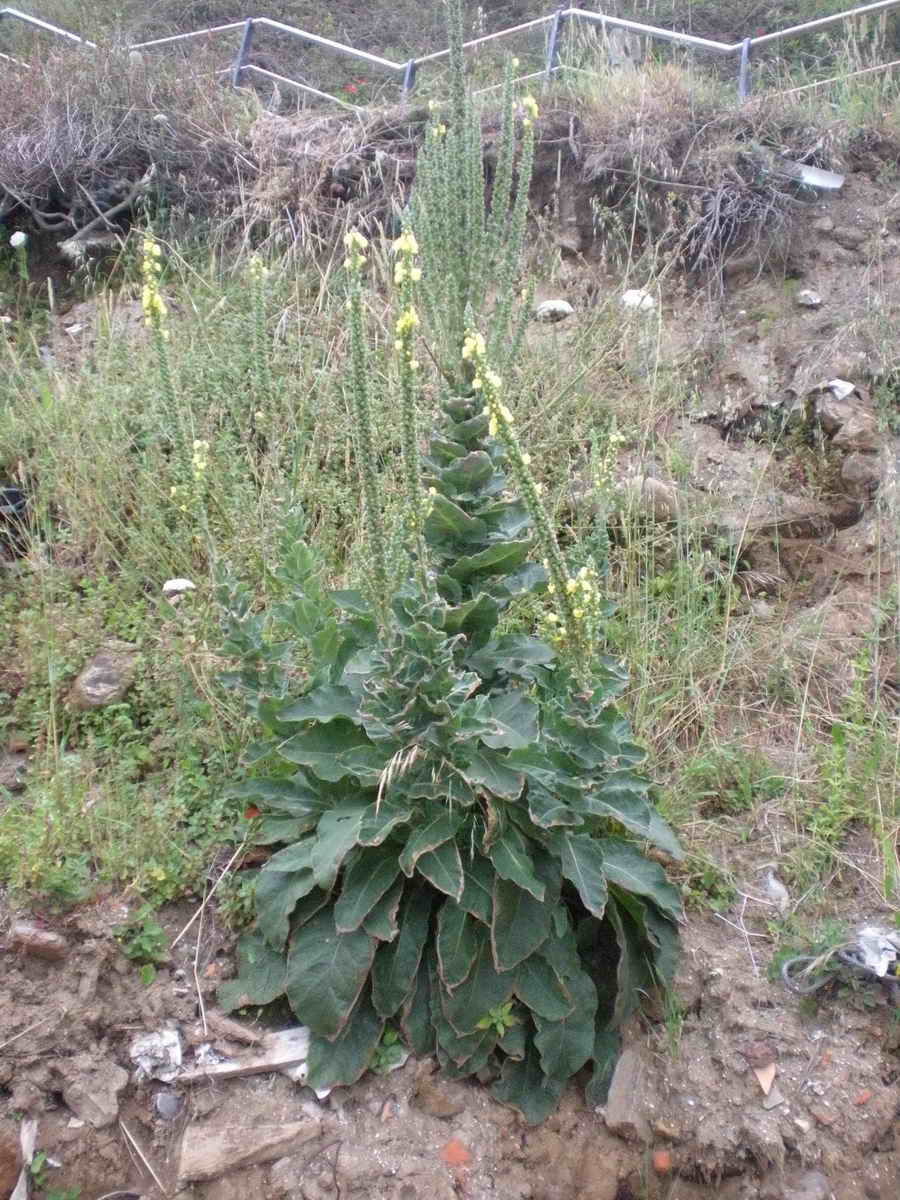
point(18, 240)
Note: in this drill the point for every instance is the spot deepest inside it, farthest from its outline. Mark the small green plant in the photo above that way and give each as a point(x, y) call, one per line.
point(726, 779)
point(144, 941)
point(456, 802)
point(389, 1054)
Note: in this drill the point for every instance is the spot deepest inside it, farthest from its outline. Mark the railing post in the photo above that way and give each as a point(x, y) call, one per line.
point(744, 71)
point(553, 42)
point(409, 78)
point(246, 38)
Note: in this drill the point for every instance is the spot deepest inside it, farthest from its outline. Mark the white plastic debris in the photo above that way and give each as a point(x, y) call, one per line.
point(639, 300)
point(809, 298)
point(550, 311)
point(840, 388)
point(157, 1055)
point(27, 1144)
point(177, 587)
point(777, 892)
point(879, 949)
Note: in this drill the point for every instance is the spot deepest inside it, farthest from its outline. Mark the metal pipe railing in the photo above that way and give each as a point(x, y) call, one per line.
point(408, 70)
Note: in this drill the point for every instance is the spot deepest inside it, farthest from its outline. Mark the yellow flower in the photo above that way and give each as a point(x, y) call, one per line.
point(415, 274)
point(496, 383)
point(571, 585)
point(531, 107)
point(477, 384)
point(526, 459)
point(493, 426)
point(406, 243)
point(552, 618)
point(354, 240)
point(503, 410)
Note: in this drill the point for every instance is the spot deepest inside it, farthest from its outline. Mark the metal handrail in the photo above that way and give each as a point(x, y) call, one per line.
point(408, 69)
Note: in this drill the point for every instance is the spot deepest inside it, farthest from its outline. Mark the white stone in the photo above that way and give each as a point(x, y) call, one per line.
point(177, 587)
point(553, 310)
point(638, 299)
point(809, 298)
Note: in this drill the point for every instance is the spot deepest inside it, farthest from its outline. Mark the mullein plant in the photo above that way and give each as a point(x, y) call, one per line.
point(459, 809)
point(156, 318)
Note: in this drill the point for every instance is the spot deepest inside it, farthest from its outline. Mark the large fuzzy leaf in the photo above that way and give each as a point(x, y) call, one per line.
point(260, 978)
point(487, 769)
point(381, 922)
point(548, 809)
point(541, 990)
point(380, 820)
point(415, 1019)
point(523, 1085)
point(478, 891)
point(482, 990)
point(514, 720)
point(276, 897)
point(626, 867)
point(566, 1045)
point(515, 654)
point(395, 966)
point(364, 883)
point(333, 751)
point(456, 943)
point(582, 862)
point(323, 704)
point(443, 869)
point(496, 559)
point(326, 971)
point(623, 796)
point(340, 1061)
point(520, 924)
point(441, 826)
point(513, 861)
point(337, 833)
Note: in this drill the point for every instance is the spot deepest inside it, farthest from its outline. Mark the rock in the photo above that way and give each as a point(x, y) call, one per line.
point(439, 1098)
point(809, 1185)
point(849, 238)
point(652, 497)
point(157, 1055)
point(177, 587)
point(858, 432)
point(808, 298)
point(823, 225)
point(12, 771)
point(41, 943)
point(106, 678)
point(10, 1158)
point(638, 299)
point(862, 474)
point(846, 418)
point(93, 1089)
point(551, 311)
point(167, 1105)
point(627, 1100)
point(207, 1153)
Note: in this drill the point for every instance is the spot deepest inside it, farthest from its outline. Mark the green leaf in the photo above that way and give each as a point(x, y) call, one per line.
point(514, 1042)
point(275, 897)
point(523, 1085)
point(582, 862)
point(541, 990)
point(607, 1046)
point(512, 861)
point(515, 720)
point(326, 971)
point(626, 867)
point(447, 521)
point(381, 922)
point(439, 829)
point(566, 1045)
point(260, 978)
point(443, 868)
point(496, 559)
point(295, 797)
point(478, 892)
point(415, 1020)
point(396, 963)
point(482, 989)
point(275, 830)
point(337, 832)
point(380, 820)
point(634, 973)
point(548, 810)
point(365, 882)
point(487, 769)
point(513, 653)
point(622, 796)
point(470, 1052)
point(321, 704)
point(520, 925)
point(340, 1061)
point(456, 943)
point(327, 750)
point(469, 474)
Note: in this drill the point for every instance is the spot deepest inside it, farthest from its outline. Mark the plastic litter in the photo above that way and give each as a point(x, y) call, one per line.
point(874, 953)
point(157, 1055)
